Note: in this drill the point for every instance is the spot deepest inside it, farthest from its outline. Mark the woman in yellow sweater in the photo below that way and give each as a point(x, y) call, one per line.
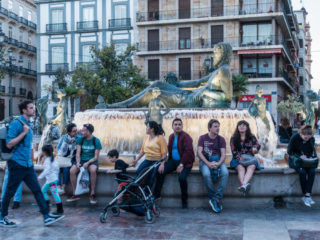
point(154, 148)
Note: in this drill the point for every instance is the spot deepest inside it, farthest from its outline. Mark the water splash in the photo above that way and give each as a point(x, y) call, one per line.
point(124, 129)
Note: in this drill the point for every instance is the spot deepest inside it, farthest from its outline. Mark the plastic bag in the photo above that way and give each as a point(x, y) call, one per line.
point(83, 182)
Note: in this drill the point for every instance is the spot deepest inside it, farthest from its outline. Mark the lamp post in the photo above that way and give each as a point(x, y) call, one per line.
point(10, 63)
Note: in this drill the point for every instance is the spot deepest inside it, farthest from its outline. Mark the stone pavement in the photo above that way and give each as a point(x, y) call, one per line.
point(256, 224)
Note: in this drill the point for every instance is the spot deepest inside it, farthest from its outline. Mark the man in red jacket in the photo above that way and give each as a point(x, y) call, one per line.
point(181, 158)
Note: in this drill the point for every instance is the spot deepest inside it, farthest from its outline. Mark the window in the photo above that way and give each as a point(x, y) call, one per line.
point(254, 6)
point(301, 62)
point(20, 36)
point(184, 9)
point(216, 34)
point(216, 8)
point(20, 11)
point(29, 16)
point(153, 40)
point(86, 53)
point(301, 80)
point(153, 69)
point(29, 38)
point(257, 67)
point(120, 48)
point(301, 43)
point(57, 54)
point(29, 64)
point(257, 34)
point(10, 32)
point(184, 38)
point(185, 68)
point(57, 16)
point(120, 13)
point(10, 4)
point(88, 14)
point(153, 10)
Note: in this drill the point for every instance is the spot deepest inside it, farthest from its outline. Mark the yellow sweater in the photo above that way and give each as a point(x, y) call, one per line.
point(155, 148)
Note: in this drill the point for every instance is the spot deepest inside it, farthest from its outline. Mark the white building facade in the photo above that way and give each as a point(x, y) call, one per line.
point(68, 30)
point(18, 29)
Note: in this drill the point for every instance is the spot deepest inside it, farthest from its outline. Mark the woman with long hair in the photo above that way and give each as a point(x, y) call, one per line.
point(285, 130)
point(154, 148)
point(244, 145)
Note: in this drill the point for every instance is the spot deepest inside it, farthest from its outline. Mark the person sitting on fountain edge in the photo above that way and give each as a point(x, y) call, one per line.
point(87, 156)
point(212, 154)
point(66, 148)
point(303, 159)
point(181, 158)
point(244, 146)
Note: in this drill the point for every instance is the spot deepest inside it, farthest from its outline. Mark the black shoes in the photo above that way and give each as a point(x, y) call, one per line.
point(15, 205)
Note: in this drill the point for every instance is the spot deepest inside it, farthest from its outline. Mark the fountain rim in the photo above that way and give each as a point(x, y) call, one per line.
point(146, 109)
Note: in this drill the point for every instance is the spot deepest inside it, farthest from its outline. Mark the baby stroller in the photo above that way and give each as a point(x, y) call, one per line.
point(134, 195)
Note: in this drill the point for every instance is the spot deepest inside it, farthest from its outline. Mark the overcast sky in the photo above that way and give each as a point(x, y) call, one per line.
point(313, 17)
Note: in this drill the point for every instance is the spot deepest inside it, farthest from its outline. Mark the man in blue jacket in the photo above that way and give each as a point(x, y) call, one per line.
point(19, 139)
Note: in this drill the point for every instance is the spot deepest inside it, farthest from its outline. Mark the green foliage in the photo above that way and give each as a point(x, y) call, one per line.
point(239, 84)
point(112, 76)
point(290, 107)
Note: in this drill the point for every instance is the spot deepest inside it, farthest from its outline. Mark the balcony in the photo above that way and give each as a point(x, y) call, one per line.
point(23, 21)
point(3, 11)
point(23, 91)
point(233, 10)
point(87, 26)
point(32, 49)
point(120, 24)
point(56, 28)
point(13, 16)
point(188, 75)
point(33, 25)
point(12, 90)
point(89, 66)
point(54, 67)
point(13, 42)
point(23, 70)
point(32, 72)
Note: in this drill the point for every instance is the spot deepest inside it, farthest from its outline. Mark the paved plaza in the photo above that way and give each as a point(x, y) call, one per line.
point(83, 223)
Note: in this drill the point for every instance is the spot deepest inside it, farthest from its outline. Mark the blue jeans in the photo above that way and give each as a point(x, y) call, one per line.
point(145, 164)
point(208, 180)
point(17, 195)
point(65, 176)
point(17, 174)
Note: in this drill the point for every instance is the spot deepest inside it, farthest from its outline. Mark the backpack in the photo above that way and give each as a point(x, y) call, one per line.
point(7, 153)
point(94, 141)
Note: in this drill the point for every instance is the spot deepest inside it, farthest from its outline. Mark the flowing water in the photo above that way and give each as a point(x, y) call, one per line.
point(124, 129)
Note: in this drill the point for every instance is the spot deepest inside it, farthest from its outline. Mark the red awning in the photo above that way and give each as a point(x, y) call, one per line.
point(260, 51)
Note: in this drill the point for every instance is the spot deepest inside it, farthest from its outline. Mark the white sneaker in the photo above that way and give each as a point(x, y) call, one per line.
point(61, 191)
point(311, 201)
point(306, 201)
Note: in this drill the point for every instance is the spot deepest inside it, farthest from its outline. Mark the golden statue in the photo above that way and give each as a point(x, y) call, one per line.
point(61, 118)
point(213, 91)
point(156, 104)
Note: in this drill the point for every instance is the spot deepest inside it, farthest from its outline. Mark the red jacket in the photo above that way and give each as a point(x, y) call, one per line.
point(185, 148)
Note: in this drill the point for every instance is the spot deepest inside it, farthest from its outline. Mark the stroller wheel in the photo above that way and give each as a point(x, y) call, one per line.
point(115, 211)
point(103, 217)
point(149, 217)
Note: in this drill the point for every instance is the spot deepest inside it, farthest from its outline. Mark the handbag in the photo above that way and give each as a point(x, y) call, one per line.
point(248, 160)
point(309, 162)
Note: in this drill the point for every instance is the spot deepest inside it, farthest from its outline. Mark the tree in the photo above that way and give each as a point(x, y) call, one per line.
point(112, 76)
point(290, 107)
point(239, 84)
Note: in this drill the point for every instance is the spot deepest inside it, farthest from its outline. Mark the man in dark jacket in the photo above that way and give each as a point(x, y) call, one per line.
point(181, 158)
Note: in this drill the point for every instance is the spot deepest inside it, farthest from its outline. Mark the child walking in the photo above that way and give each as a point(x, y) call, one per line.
point(50, 172)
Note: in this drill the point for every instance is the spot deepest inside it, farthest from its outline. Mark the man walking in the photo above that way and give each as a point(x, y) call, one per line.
point(19, 139)
point(212, 153)
point(181, 158)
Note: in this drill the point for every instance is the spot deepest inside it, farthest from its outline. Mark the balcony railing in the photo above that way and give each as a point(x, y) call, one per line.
point(56, 28)
point(87, 26)
point(12, 89)
point(2, 89)
point(120, 23)
point(23, 70)
point(32, 48)
point(32, 25)
point(87, 65)
point(3, 11)
point(13, 41)
point(23, 20)
point(53, 67)
point(32, 72)
point(13, 16)
point(244, 9)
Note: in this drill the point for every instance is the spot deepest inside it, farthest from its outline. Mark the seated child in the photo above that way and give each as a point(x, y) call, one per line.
point(120, 166)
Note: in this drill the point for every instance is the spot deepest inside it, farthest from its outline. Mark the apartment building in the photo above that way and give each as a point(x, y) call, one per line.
point(18, 42)
point(178, 36)
point(68, 29)
point(305, 61)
